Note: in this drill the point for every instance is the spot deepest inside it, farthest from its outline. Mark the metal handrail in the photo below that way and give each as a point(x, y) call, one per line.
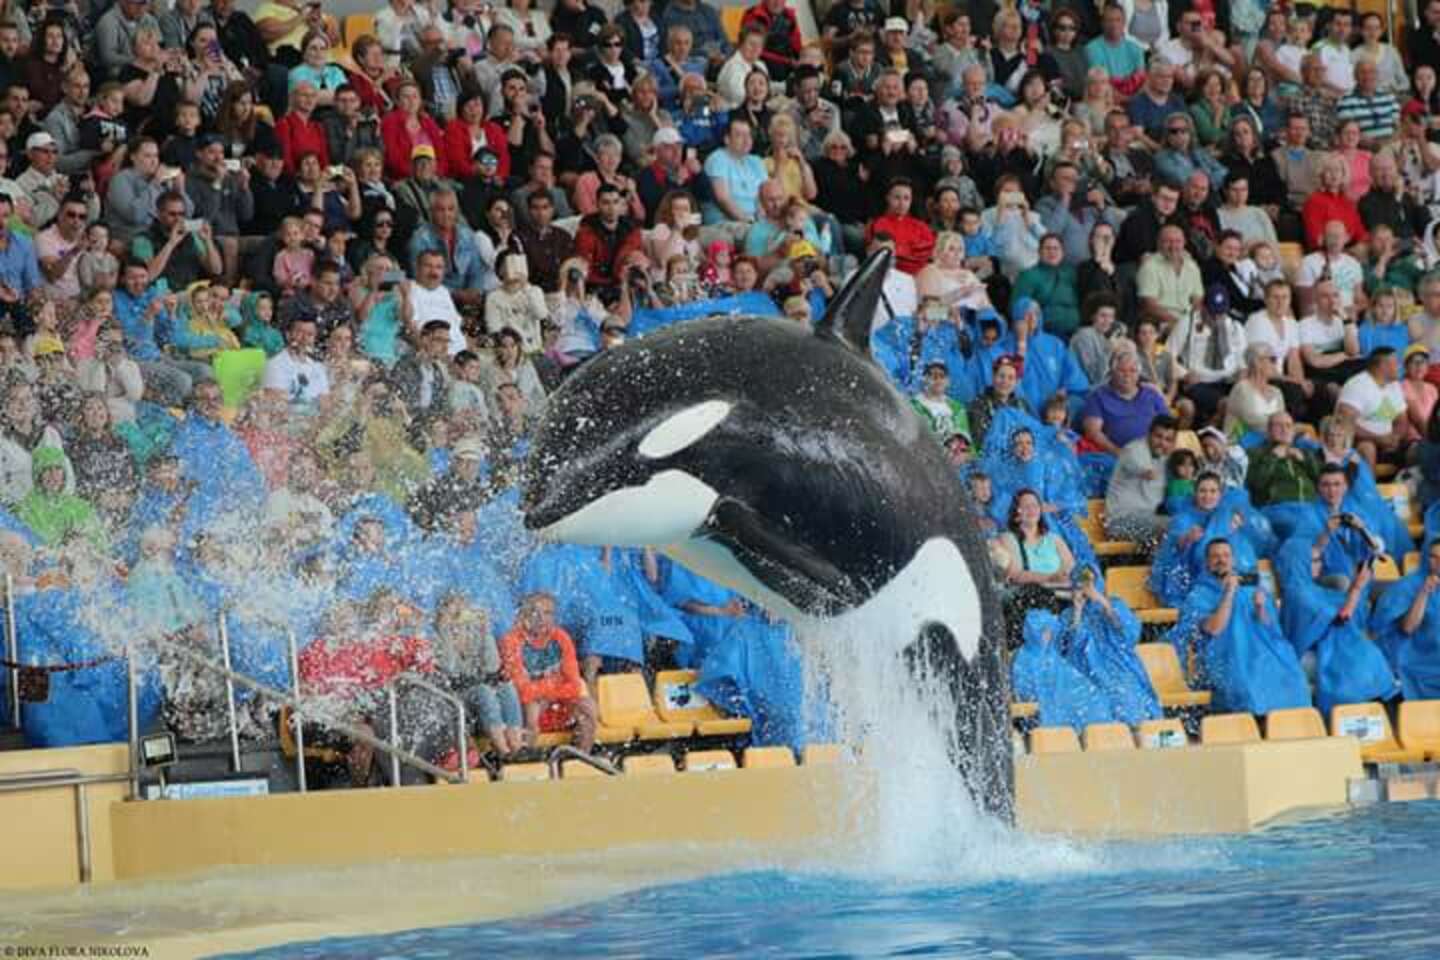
point(12, 652)
point(296, 704)
point(30, 780)
point(462, 745)
point(568, 752)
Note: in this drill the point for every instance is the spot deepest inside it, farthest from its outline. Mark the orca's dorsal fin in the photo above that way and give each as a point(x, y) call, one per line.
point(852, 313)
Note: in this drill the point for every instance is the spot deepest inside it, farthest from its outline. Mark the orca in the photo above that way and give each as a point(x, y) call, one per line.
point(782, 463)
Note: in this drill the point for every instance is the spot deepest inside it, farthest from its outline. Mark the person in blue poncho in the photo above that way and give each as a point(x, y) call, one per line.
point(1338, 533)
point(375, 556)
point(502, 534)
point(1363, 494)
point(164, 501)
point(1021, 454)
point(1099, 640)
point(906, 346)
point(1048, 366)
point(756, 672)
point(1330, 626)
point(258, 613)
point(1040, 673)
point(706, 608)
point(215, 460)
point(1406, 623)
point(66, 625)
point(456, 561)
point(1212, 512)
point(1233, 622)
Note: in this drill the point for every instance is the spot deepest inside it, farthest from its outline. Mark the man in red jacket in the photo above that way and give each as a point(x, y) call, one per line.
point(608, 241)
point(1330, 203)
point(539, 658)
point(914, 240)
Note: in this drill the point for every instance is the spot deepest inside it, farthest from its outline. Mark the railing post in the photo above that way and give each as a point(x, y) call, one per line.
point(295, 715)
point(394, 738)
point(230, 693)
point(12, 652)
point(82, 833)
point(462, 743)
point(133, 705)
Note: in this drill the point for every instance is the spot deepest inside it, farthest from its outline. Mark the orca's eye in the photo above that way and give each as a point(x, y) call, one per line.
point(680, 430)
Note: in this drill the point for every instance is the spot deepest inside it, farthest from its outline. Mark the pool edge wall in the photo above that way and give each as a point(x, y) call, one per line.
point(1197, 790)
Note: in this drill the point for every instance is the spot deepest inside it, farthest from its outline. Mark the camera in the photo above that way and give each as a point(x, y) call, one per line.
point(573, 275)
point(1248, 579)
point(1349, 520)
point(390, 279)
point(806, 266)
point(336, 171)
point(635, 276)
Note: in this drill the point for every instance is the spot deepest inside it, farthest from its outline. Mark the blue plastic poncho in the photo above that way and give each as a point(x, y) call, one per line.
point(755, 671)
point(1102, 648)
point(84, 706)
point(1040, 673)
point(592, 603)
point(1349, 668)
point(1250, 665)
point(225, 476)
point(465, 568)
point(904, 360)
point(980, 365)
point(1415, 656)
point(1049, 365)
point(500, 528)
point(259, 647)
point(1175, 567)
point(752, 303)
point(680, 586)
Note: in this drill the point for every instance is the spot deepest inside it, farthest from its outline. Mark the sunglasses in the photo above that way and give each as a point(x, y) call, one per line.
point(1065, 28)
point(612, 44)
point(1178, 130)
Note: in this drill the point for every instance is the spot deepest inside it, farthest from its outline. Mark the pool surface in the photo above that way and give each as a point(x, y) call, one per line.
point(1360, 883)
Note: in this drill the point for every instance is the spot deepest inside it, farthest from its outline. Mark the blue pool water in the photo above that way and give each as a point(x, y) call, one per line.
point(1363, 883)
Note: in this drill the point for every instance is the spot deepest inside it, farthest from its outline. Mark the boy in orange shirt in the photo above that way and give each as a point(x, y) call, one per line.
point(539, 658)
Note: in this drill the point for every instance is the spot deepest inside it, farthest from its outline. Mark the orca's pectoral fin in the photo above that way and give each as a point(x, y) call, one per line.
point(799, 574)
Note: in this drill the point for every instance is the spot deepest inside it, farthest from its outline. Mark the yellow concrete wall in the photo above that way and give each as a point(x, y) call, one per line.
point(1196, 790)
point(38, 827)
point(356, 826)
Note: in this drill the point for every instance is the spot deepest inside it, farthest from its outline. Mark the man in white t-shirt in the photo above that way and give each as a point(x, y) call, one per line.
point(430, 300)
point(295, 372)
point(1329, 340)
point(1331, 261)
point(1371, 402)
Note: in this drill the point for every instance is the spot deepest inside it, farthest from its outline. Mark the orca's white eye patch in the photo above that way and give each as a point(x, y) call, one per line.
point(680, 430)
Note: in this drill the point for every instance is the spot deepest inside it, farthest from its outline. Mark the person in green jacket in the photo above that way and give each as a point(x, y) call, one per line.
point(1051, 283)
point(1281, 472)
point(54, 515)
point(257, 313)
point(945, 417)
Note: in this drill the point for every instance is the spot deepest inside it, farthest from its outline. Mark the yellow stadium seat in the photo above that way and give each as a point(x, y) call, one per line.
point(1054, 740)
point(1369, 723)
point(1093, 526)
point(1386, 571)
point(1290, 256)
point(823, 754)
point(1222, 728)
point(1305, 429)
point(1024, 710)
point(677, 701)
point(1163, 666)
point(1296, 723)
point(519, 772)
point(625, 708)
point(1412, 562)
point(1166, 734)
point(1420, 726)
point(287, 743)
point(730, 18)
point(1128, 584)
point(1109, 736)
point(699, 761)
point(1386, 471)
point(649, 765)
point(358, 25)
point(756, 758)
point(579, 770)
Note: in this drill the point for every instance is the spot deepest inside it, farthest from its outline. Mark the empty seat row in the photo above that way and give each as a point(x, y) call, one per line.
point(676, 710)
point(696, 761)
point(1151, 735)
point(1418, 741)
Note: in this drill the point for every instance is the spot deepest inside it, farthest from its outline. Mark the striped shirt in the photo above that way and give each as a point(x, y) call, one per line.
point(1377, 114)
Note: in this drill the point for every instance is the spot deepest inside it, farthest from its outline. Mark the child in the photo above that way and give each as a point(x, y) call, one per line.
point(295, 261)
point(1180, 470)
point(715, 277)
point(97, 267)
point(82, 323)
point(47, 323)
point(103, 128)
point(467, 393)
point(1055, 414)
point(179, 148)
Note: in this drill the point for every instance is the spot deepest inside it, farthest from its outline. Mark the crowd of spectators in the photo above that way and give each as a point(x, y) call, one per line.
point(274, 298)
